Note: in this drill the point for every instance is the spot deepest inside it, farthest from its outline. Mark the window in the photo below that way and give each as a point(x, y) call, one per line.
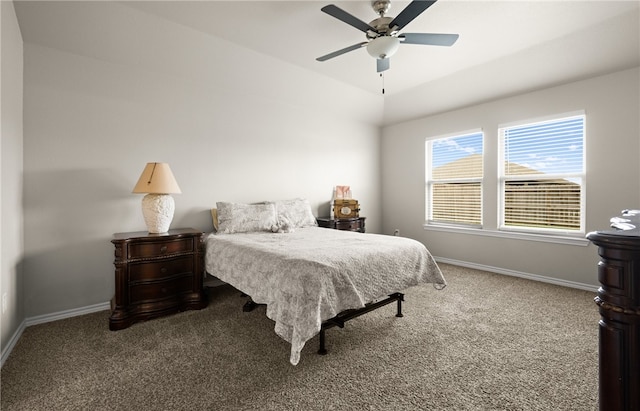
point(454, 180)
point(542, 176)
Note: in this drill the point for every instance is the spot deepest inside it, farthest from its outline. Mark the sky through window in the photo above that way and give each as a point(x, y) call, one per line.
point(447, 150)
point(553, 147)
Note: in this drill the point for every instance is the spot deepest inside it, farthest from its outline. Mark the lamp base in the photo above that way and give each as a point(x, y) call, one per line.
point(157, 210)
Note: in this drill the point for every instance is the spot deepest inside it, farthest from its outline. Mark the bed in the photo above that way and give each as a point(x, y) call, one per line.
point(311, 278)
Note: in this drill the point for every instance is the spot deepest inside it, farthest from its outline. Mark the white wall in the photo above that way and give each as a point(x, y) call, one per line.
point(234, 125)
point(11, 218)
point(611, 103)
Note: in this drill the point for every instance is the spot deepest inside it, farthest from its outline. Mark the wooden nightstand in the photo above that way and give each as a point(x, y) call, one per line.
point(348, 224)
point(156, 275)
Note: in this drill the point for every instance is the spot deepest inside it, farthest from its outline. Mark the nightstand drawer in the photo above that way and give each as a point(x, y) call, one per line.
point(157, 249)
point(158, 270)
point(349, 225)
point(345, 224)
point(165, 289)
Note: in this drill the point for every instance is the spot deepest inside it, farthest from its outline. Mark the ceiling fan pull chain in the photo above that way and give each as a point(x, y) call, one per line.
point(382, 77)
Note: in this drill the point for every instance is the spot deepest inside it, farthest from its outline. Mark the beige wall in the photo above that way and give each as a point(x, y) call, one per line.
point(611, 104)
point(234, 125)
point(11, 218)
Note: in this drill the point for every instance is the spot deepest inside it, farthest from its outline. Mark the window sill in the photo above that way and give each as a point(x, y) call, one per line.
point(545, 238)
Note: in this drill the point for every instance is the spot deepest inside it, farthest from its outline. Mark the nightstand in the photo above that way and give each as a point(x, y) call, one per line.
point(348, 224)
point(156, 275)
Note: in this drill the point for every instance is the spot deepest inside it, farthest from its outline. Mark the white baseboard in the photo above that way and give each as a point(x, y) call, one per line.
point(74, 312)
point(528, 276)
point(46, 318)
point(12, 343)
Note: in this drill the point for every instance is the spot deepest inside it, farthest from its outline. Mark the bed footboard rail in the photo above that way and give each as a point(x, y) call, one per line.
point(340, 319)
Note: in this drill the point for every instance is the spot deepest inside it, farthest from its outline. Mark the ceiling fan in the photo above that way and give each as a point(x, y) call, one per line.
point(383, 38)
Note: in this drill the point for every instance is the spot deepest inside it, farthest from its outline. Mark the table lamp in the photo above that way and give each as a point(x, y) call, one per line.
point(158, 206)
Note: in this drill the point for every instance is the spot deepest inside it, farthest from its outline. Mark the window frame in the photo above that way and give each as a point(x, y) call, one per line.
point(429, 181)
point(503, 179)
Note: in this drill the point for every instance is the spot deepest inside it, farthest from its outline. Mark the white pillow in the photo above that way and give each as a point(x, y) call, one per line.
point(296, 212)
point(245, 218)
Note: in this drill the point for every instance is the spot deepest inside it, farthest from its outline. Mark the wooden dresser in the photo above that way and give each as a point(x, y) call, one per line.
point(348, 224)
point(619, 303)
point(156, 275)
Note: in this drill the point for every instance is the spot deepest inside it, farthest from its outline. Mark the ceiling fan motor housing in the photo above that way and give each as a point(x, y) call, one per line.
point(381, 24)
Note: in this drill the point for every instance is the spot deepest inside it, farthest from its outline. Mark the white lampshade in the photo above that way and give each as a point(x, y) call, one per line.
point(383, 47)
point(157, 206)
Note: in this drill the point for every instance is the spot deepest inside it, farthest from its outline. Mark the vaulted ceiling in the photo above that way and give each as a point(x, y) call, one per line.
point(505, 47)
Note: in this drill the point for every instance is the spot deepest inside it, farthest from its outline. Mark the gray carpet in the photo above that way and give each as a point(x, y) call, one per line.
point(486, 342)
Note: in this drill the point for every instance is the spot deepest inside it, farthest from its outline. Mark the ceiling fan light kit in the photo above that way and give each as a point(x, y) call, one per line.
point(383, 47)
point(383, 38)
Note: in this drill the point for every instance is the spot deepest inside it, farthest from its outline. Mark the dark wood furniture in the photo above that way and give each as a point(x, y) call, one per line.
point(619, 304)
point(156, 275)
point(347, 224)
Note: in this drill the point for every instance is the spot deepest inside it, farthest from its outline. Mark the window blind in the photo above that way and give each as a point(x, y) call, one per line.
point(542, 178)
point(454, 180)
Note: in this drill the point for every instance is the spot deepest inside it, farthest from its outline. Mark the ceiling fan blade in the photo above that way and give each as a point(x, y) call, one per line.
point(342, 51)
point(382, 64)
point(429, 39)
point(342, 15)
point(409, 13)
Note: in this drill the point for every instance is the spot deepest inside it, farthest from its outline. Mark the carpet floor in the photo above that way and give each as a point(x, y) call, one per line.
point(486, 342)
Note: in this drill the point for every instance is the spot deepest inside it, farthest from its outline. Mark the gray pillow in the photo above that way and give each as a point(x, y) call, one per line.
point(296, 212)
point(245, 218)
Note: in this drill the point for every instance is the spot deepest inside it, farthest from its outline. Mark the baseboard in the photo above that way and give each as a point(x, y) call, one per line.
point(60, 315)
point(46, 318)
point(528, 276)
point(12, 343)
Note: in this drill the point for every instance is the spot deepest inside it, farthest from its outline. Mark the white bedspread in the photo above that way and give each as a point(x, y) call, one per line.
point(312, 274)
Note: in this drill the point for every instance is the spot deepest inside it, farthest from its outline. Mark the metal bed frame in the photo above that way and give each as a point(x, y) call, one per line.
point(340, 319)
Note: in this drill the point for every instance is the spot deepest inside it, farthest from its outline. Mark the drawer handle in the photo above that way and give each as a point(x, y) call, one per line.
point(163, 249)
